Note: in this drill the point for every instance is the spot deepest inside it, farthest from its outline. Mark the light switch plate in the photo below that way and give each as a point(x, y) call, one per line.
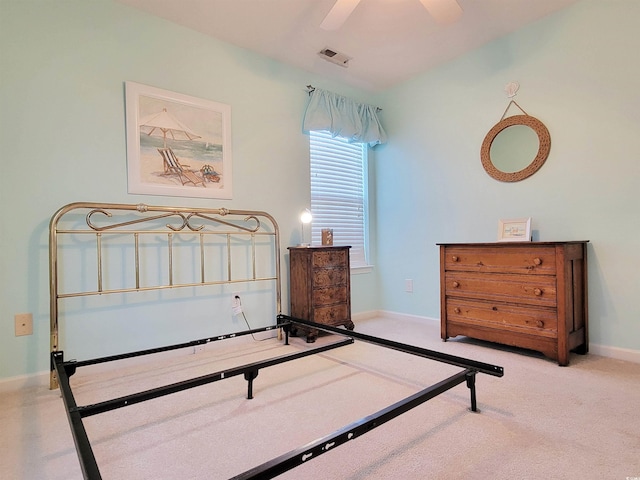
point(24, 324)
point(408, 285)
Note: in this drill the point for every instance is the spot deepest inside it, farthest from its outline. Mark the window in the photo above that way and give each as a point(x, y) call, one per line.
point(339, 193)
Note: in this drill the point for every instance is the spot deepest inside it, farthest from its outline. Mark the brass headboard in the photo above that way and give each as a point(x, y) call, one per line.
point(131, 224)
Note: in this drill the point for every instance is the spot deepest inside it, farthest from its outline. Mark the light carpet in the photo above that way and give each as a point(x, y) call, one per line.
point(538, 421)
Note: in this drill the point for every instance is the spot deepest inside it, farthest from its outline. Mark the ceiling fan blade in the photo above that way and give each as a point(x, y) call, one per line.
point(338, 14)
point(443, 11)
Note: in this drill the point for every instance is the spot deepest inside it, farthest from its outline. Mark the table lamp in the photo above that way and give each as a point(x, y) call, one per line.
point(305, 219)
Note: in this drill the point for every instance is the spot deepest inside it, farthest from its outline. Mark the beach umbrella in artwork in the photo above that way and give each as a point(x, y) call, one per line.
point(163, 124)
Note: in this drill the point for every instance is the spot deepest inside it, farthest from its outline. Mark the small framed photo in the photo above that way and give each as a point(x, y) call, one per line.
point(516, 230)
point(176, 144)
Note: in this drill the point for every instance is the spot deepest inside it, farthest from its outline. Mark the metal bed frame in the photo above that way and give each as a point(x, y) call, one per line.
point(98, 222)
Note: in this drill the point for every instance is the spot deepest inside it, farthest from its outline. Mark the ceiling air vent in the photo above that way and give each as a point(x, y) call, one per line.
point(335, 57)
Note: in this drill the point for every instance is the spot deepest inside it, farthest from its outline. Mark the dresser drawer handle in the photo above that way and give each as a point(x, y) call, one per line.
point(537, 261)
point(456, 310)
point(540, 323)
point(537, 292)
point(454, 258)
point(455, 284)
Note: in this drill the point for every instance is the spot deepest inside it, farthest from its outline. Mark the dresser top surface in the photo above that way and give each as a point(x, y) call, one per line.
point(319, 247)
point(510, 244)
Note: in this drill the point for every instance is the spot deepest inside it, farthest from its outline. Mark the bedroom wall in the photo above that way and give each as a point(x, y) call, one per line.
point(579, 75)
point(63, 66)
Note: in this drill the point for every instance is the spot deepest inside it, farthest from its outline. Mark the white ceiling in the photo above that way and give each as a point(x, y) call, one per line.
point(389, 40)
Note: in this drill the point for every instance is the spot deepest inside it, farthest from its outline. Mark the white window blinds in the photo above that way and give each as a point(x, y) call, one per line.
point(338, 193)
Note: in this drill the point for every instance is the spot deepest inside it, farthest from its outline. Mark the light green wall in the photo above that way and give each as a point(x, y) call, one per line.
point(578, 74)
point(62, 135)
point(62, 138)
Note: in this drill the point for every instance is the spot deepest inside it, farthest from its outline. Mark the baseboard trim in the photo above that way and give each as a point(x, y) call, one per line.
point(617, 353)
point(392, 315)
point(40, 379)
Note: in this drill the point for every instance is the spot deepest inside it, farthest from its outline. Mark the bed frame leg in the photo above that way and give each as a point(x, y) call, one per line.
point(285, 326)
point(286, 329)
point(471, 383)
point(249, 376)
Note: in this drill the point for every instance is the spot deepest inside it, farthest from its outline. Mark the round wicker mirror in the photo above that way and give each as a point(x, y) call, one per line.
point(544, 146)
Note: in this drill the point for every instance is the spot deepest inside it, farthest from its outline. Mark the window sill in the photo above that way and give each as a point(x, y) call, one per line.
point(361, 270)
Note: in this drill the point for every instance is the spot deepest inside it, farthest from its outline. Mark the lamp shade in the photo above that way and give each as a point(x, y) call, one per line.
point(305, 216)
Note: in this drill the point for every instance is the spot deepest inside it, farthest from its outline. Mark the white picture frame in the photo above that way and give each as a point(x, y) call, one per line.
point(514, 230)
point(177, 145)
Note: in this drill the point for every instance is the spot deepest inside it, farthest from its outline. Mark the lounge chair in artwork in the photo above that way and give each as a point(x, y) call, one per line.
point(172, 166)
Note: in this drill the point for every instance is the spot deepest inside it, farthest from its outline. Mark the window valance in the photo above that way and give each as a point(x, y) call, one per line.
point(343, 117)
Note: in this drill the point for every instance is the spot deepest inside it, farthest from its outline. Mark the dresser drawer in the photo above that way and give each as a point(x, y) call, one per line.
point(536, 290)
point(330, 295)
point(333, 315)
point(538, 321)
point(324, 277)
point(502, 259)
point(330, 258)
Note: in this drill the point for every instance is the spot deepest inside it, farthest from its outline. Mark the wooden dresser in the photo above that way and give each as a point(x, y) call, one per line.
point(528, 294)
point(320, 286)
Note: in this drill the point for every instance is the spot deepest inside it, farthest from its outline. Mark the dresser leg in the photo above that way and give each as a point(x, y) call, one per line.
point(563, 359)
point(582, 349)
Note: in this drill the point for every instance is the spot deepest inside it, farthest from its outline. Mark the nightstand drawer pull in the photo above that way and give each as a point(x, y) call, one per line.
point(537, 261)
point(456, 310)
point(537, 292)
point(540, 323)
point(455, 284)
point(454, 258)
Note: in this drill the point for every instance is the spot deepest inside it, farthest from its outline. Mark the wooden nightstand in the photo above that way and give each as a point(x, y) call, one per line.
point(320, 286)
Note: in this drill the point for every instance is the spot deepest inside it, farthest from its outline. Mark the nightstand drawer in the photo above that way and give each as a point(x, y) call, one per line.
point(334, 315)
point(336, 258)
point(330, 295)
point(325, 277)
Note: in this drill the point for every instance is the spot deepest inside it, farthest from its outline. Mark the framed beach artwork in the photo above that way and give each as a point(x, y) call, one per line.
point(177, 145)
point(517, 230)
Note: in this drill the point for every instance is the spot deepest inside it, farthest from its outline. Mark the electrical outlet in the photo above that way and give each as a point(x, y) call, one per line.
point(408, 285)
point(236, 304)
point(23, 324)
